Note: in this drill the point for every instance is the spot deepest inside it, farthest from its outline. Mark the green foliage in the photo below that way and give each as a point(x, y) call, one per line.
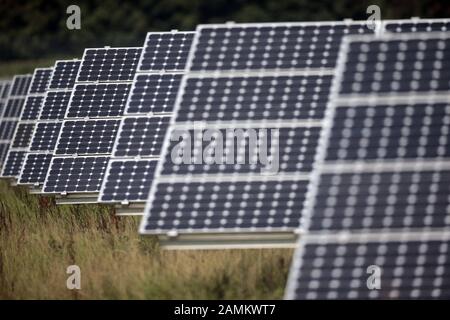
point(38, 240)
point(35, 29)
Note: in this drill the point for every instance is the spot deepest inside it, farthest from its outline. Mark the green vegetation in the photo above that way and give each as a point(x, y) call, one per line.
point(38, 240)
point(36, 29)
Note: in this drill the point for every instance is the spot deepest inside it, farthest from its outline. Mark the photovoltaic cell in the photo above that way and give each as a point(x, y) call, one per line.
point(13, 163)
point(55, 105)
point(270, 46)
point(40, 81)
point(22, 136)
point(141, 136)
point(127, 180)
point(383, 138)
point(166, 51)
point(32, 107)
point(256, 98)
point(418, 25)
point(98, 100)
point(20, 85)
point(13, 107)
point(87, 137)
point(153, 93)
point(109, 64)
point(64, 74)
point(45, 136)
point(380, 194)
point(7, 128)
point(4, 147)
point(5, 86)
point(365, 76)
point(294, 147)
point(35, 168)
point(339, 270)
point(269, 80)
point(79, 174)
point(181, 205)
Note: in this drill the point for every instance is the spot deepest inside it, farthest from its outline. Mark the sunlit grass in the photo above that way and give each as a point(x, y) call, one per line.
point(38, 240)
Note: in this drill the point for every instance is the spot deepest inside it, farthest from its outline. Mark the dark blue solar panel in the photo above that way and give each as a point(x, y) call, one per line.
point(13, 107)
point(98, 100)
point(409, 270)
point(141, 136)
point(128, 180)
point(386, 200)
point(64, 74)
point(80, 174)
point(397, 131)
point(13, 163)
point(45, 136)
point(154, 93)
point(7, 128)
point(256, 47)
point(55, 105)
point(32, 107)
point(256, 98)
point(87, 137)
point(238, 205)
point(35, 168)
point(397, 66)
point(4, 147)
point(23, 134)
point(294, 147)
point(40, 81)
point(166, 51)
point(109, 64)
point(20, 85)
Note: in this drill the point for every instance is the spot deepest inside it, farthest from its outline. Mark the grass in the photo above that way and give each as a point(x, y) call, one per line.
point(38, 240)
point(10, 68)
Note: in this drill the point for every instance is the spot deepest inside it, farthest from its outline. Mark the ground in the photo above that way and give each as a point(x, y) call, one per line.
point(39, 239)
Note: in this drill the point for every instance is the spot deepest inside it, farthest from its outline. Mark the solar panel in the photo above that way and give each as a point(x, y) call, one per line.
point(127, 180)
point(20, 85)
point(379, 196)
point(32, 107)
point(247, 86)
point(7, 128)
point(13, 164)
point(286, 46)
point(55, 105)
point(109, 64)
point(254, 97)
point(45, 136)
point(338, 269)
point(87, 137)
point(165, 51)
point(13, 107)
point(64, 74)
point(153, 93)
point(27, 116)
point(5, 86)
point(141, 136)
point(40, 80)
point(75, 174)
point(416, 25)
point(22, 135)
point(35, 168)
point(148, 111)
point(99, 96)
point(47, 128)
point(3, 151)
point(98, 100)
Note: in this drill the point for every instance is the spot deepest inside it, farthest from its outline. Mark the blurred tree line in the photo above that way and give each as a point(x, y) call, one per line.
point(37, 28)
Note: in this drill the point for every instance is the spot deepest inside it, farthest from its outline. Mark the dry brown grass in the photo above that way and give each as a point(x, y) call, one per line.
point(38, 240)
